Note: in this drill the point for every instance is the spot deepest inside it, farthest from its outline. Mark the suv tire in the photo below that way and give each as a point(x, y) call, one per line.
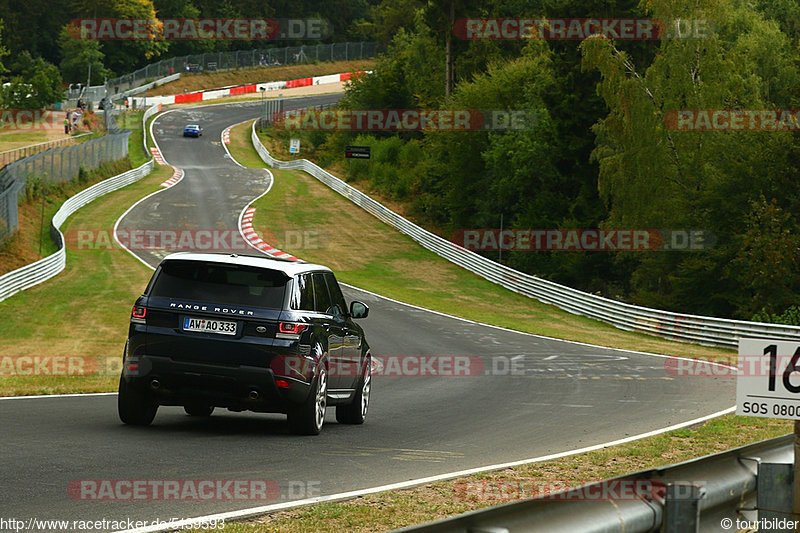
point(307, 419)
point(135, 406)
point(356, 411)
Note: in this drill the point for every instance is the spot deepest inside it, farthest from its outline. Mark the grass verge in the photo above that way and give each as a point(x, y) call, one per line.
point(132, 120)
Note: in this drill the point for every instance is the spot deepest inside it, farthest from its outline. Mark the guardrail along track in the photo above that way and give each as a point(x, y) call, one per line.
point(699, 495)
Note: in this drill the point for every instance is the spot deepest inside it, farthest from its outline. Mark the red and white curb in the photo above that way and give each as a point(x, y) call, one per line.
point(226, 135)
point(157, 154)
point(252, 237)
point(177, 176)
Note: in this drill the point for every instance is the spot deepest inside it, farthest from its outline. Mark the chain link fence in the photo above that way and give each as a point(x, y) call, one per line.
point(260, 57)
point(57, 165)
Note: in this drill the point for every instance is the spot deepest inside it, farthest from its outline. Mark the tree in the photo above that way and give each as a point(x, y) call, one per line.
point(33, 25)
point(186, 10)
point(79, 57)
point(3, 50)
point(652, 176)
point(123, 56)
point(388, 18)
point(37, 84)
point(770, 257)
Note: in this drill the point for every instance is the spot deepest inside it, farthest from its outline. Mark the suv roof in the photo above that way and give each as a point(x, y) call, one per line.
point(290, 268)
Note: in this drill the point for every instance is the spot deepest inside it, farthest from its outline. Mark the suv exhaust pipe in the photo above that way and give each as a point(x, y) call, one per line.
point(155, 384)
point(254, 395)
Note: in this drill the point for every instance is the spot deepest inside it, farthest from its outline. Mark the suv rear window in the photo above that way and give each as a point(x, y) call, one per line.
point(220, 283)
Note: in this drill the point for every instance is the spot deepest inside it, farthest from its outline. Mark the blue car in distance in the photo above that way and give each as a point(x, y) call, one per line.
point(192, 130)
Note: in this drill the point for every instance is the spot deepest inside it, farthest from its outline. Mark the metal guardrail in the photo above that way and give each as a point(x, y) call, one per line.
point(674, 326)
point(700, 495)
point(146, 87)
point(44, 269)
point(152, 110)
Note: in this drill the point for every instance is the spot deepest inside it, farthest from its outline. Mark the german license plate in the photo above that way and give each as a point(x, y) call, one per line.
point(207, 325)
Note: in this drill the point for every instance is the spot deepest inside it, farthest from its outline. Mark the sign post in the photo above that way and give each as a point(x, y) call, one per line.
point(768, 386)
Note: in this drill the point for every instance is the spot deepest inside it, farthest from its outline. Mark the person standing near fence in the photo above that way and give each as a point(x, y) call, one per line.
point(66, 126)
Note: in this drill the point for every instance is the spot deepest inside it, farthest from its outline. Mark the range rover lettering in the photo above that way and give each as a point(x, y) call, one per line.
point(245, 333)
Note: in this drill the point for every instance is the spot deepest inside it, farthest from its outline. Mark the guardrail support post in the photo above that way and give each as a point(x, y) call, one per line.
point(774, 500)
point(682, 508)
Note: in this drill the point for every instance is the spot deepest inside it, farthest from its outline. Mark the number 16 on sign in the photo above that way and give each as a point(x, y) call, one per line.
point(768, 383)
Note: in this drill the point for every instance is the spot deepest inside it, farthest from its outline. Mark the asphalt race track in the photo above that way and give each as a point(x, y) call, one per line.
point(562, 396)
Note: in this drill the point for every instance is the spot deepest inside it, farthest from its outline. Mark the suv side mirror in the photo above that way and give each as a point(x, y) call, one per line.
point(358, 309)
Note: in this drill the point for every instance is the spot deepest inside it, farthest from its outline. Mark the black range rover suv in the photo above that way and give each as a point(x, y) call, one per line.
point(245, 333)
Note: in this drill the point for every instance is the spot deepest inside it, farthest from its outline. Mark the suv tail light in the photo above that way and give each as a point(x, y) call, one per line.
point(138, 314)
point(291, 328)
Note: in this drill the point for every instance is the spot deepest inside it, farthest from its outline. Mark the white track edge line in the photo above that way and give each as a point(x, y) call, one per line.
point(68, 395)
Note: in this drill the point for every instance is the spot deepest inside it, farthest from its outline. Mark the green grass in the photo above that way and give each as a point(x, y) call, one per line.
point(30, 137)
point(150, 141)
point(132, 120)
